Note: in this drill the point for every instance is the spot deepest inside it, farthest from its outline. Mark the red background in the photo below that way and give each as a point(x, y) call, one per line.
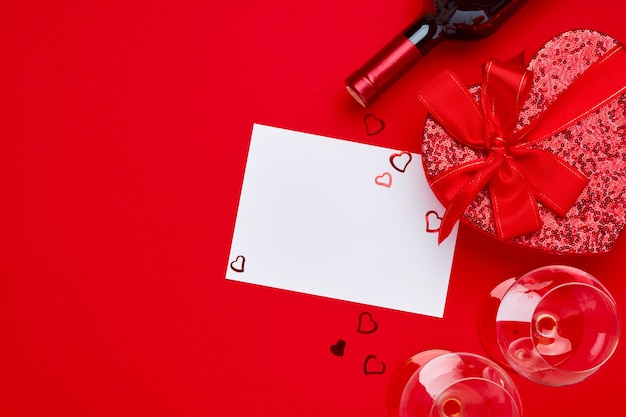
point(124, 129)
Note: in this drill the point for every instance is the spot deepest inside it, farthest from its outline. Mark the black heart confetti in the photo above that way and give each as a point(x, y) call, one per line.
point(238, 264)
point(338, 348)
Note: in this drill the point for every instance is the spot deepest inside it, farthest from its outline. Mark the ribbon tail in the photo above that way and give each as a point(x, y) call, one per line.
point(515, 208)
point(466, 194)
point(456, 208)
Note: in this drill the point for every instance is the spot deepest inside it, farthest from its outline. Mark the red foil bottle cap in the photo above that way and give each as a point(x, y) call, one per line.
point(368, 82)
point(362, 89)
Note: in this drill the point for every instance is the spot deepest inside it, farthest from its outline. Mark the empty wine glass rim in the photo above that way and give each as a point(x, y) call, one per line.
point(603, 293)
point(507, 381)
point(516, 402)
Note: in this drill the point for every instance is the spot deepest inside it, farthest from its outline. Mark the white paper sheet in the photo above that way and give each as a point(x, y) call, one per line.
point(340, 219)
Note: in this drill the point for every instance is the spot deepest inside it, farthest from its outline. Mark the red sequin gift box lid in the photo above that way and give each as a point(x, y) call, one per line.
point(592, 145)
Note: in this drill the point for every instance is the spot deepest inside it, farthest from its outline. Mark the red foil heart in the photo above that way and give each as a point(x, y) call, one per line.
point(594, 146)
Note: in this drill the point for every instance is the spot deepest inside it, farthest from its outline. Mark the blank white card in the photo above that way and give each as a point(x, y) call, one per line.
point(340, 219)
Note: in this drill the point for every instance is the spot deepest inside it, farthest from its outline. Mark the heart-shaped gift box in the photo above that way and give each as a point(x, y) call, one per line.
point(536, 154)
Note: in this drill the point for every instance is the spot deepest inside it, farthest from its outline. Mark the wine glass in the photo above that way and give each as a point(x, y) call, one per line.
point(440, 383)
point(555, 325)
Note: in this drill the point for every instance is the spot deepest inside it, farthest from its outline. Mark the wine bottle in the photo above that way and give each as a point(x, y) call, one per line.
point(453, 19)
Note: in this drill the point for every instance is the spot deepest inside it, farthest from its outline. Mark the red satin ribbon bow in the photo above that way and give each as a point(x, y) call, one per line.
point(518, 176)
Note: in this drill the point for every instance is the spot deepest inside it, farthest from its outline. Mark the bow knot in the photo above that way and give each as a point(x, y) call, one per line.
point(497, 144)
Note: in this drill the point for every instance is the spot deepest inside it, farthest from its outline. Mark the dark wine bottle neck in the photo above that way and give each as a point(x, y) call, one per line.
point(424, 33)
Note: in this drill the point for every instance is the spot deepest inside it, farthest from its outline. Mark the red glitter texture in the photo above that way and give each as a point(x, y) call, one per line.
point(595, 146)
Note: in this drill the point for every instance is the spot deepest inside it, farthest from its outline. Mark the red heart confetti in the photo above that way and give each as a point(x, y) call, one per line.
point(433, 221)
point(373, 366)
point(367, 324)
point(399, 161)
point(384, 179)
point(373, 125)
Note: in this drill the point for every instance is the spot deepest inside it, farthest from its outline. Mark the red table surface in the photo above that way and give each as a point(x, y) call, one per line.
point(124, 130)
